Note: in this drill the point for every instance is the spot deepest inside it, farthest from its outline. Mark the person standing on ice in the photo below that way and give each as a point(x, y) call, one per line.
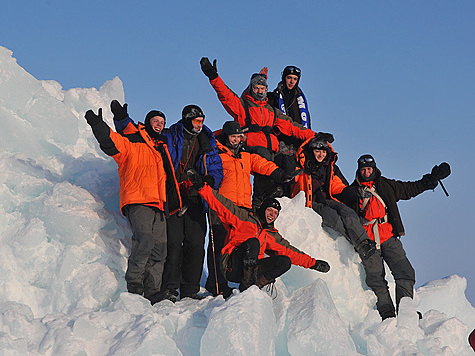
point(191, 145)
point(323, 183)
point(238, 164)
point(290, 100)
point(149, 193)
point(250, 236)
point(261, 122)
point(380, 217)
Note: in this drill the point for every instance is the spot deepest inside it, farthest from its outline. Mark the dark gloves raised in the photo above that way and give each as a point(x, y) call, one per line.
point(321, 266)
point(195, 179)
point(441, 171)
point(119, 111)
point(366, 249)
point(93, 119)
point(209, 179)
point(211, 71)
point(428, 182)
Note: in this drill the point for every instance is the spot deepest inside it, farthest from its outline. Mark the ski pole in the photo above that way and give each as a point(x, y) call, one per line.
point(443, 188)
point(211, 235)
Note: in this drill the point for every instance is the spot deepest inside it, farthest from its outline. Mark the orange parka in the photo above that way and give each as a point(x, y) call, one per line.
point(243, 225)
point(264, 121)
point(334, 184)
point(145, 170)
point(237, 169)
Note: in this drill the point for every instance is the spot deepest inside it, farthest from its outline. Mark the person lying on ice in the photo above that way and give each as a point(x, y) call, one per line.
point(250, 236)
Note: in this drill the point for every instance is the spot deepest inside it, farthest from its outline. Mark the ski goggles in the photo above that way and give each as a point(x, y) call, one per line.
point(366, 159)
point(197, 121)
point(292, 69)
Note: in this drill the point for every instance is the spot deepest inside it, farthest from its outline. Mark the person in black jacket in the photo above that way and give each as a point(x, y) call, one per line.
point(380, 217)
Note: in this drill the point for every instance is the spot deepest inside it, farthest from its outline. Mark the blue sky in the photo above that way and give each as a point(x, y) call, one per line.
point(390, 78)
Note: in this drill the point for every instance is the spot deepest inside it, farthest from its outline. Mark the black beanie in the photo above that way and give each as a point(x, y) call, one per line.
point(366, 161)
point(148, 117)
point(291, 70)
point(232, 128)
point(268, 202)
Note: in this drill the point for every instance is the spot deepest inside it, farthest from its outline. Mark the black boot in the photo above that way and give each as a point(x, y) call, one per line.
point(135, 288)
point(249, 276)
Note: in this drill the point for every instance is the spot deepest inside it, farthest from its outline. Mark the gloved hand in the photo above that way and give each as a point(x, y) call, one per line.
point(223, 262)
point(366, 249)
point(211, 71)
point(441, 171)
point(209, 179)
point(278, 175)
point(195, 179)
point(321, 266)
point(327, 136)
point(93, 119)
point(428, 182)
point(119, 111)
point(364, 193)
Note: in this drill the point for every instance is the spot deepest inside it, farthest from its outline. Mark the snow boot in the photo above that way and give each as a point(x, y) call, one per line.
point(135, 288)
point(249, 276)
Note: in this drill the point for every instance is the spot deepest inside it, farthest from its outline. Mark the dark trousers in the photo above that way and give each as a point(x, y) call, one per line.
point(263, 185)
point(213, 259)
point(269, 267)
point(392, 252)
point(342, 219)
point(185, 249)
point(149, 248)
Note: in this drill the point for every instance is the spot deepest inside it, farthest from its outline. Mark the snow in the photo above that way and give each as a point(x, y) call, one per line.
point(64, 247)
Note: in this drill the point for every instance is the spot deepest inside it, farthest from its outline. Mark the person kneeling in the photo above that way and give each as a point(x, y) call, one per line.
point(250, 237)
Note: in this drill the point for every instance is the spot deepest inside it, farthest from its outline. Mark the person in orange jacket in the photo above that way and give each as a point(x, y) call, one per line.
point(149, 193)
point(238, 165)
point(260, 121)
point(380, 217)
point(250, 237)
point(323, 182)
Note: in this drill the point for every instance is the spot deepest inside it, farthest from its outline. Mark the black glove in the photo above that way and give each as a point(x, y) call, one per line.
point(119, 111)
point(223, 262)
point(211, 71)
point(278, 175)
point(209, 179)
point(366, 249)
point(327, 136)
point(93, 119)
point(441, 171)
point(321, 266)
point(195, 179)
point(428, 182)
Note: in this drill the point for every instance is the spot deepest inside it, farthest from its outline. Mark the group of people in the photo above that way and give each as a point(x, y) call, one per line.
point(176, 181)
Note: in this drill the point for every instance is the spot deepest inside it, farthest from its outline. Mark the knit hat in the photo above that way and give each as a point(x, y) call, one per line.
point(318, 143)
point(258, 79)
point(189, 113)
point(232, 128)
point(148, 126)
point(267, 203)
point(291, 70)
point(366, 161)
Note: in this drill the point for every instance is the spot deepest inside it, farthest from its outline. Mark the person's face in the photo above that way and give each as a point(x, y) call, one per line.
point(198, 123)
point(291, 80)
point(259, 89)
point(320, 155)
point(234, 139)
point(271, 214)
point(157, 123)
point(366, 172)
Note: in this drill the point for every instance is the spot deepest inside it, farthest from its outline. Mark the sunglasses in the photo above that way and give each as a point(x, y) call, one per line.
point(197, 121)
point(366, 159)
